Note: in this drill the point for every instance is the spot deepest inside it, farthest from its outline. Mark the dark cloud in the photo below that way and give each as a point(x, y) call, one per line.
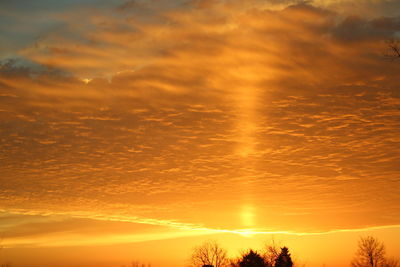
point(357, 29)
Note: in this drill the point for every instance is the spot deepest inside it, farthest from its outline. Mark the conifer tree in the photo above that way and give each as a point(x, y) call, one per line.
point(284, 259)
point(252, 259)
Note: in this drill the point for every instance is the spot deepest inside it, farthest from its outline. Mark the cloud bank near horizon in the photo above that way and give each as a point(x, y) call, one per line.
point(21, 230)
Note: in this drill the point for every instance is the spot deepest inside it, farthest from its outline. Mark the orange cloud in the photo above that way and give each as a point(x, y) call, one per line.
point(291, 112)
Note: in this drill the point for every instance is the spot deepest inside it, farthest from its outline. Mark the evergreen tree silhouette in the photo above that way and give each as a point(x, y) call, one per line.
point(284, 259)
point(252, 259)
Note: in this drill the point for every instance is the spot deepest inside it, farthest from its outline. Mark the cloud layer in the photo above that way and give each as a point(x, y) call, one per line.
point(222, 114)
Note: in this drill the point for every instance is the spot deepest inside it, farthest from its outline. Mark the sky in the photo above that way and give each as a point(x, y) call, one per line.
point(135, 130)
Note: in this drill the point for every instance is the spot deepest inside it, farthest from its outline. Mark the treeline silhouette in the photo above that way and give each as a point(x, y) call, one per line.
point(370, 253)
point(210, 254)
point(137, 264)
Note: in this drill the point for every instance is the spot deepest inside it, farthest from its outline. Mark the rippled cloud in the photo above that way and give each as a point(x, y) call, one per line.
point(203, 112)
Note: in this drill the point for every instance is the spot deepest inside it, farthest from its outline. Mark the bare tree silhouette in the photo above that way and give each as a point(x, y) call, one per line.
point(209, 253)
point(271, 254)
point(370, 253)
point(394, 49)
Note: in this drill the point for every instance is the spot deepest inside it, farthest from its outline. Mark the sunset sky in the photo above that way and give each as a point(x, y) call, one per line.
point(136, 130)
